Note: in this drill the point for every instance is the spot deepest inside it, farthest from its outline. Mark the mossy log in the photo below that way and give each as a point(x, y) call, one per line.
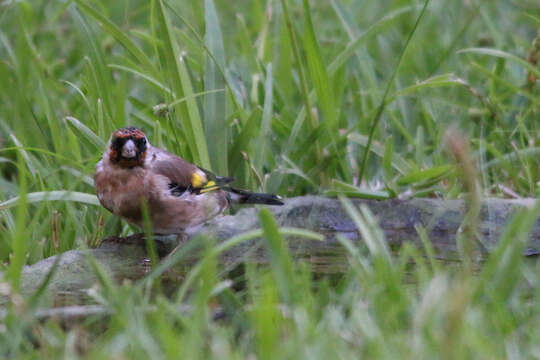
point(127, 258)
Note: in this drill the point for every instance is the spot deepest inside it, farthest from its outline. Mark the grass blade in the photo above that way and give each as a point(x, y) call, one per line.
point(371, 233)
point(342, 58)
point(280, 259)
point(144, 76)
point(319, 74)
point(266, 122)
point(58, 195)
point(313, 123)
point(19, 240)
point(236, 240)
point(189, 112)
point(376, 119)
point(504, 55)
point(215, 115)
point(425, 175)
point(119, 36)
point(398, 162)
point(87, 133)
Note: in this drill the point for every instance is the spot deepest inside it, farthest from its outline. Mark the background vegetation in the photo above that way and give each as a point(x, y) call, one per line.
point(293, 97)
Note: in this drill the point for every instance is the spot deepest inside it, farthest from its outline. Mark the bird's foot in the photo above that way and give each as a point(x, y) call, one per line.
point(131, 239)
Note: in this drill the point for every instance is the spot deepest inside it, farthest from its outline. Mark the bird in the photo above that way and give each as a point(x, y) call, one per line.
point(180, 196)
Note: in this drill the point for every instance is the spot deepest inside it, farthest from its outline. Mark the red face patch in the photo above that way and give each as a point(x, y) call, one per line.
point(119, 138)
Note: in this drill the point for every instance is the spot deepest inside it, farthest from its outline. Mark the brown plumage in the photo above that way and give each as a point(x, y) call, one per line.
point(179, 196)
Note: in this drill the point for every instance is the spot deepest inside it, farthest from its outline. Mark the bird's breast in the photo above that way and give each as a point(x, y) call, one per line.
point(122, 191)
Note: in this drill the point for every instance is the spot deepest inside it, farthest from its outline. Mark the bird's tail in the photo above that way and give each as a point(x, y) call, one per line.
point(245, 197)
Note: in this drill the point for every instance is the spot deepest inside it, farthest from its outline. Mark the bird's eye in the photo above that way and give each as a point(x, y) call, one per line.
point(141, 144)
point(117, 143)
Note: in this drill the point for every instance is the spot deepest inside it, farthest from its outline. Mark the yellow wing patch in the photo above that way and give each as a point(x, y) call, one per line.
point(209, 186)
point(199, 181)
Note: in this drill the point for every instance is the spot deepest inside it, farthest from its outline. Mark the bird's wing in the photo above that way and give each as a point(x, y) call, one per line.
point(184, 175)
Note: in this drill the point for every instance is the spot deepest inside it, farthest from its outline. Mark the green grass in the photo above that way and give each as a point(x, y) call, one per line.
point(295, 97)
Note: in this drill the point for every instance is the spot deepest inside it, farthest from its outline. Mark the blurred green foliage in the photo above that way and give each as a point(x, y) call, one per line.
point(283, 99)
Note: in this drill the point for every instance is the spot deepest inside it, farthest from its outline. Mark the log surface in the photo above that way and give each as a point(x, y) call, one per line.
point(126, 258)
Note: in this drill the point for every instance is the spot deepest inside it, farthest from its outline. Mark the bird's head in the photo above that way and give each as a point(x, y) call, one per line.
point(127, 147)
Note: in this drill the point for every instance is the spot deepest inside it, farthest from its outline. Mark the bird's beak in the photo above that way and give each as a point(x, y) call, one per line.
point(129, 150)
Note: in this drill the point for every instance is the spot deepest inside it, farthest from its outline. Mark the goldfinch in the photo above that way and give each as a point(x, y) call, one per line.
point(179, 196)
